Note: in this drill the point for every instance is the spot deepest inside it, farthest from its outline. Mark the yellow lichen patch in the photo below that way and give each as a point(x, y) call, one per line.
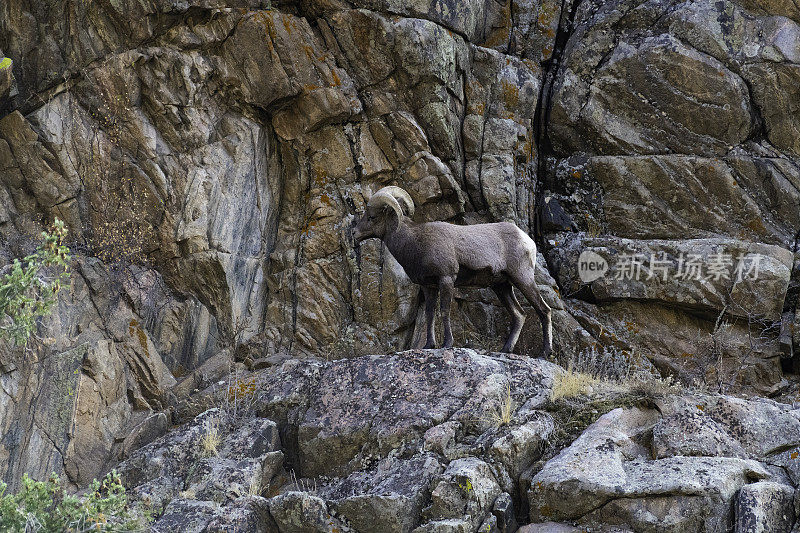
point(320, 176)
point(288, 23)
point(528, 147)
point(545, 18)
point(269, 25)
point(546, 511)
point(241, 388)
point(5, 63)
point(756, 225)
point(532, 65)
point(500, 35)
point(135, 330)
point(477, 108)
point(630, 326)
point(307, 225)
point(510, 93)
point(336, 80)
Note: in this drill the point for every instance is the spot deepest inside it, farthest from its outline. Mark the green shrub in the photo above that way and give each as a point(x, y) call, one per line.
point(45, 507)
point(27, 292)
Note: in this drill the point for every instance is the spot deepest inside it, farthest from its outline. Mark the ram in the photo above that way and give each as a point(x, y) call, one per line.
point(439, 256)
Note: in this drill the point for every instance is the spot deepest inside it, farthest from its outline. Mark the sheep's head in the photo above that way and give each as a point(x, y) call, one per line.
point(384, 210)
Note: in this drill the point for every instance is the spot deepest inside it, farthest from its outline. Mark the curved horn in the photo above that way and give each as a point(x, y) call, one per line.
point(382, 198)
point(401, 197)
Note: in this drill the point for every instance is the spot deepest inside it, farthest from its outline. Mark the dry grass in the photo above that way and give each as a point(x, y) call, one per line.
point(255, 485)
point(503, 412)
point(572, 383)
point(211, 439)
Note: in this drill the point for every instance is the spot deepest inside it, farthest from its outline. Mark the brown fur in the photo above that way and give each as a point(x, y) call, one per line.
point(439, 256)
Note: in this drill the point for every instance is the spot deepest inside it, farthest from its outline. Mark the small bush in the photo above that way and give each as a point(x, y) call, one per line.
point(45, 507)
point(27, 292)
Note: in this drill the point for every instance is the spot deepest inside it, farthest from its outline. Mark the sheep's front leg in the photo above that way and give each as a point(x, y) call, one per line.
point(431, 295)
point(446, 293)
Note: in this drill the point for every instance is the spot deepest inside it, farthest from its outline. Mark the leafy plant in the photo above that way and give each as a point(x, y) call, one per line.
point(45, 507)
point(27, 290)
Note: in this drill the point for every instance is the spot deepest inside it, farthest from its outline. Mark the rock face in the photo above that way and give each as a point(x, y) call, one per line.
point(667, 123)
point(401, 442)
point(210, 157)
point(416, 441)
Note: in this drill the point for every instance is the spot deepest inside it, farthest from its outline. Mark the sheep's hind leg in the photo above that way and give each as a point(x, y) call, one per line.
point(527, 285)
point(431, 296)
point(505, 292)
point(446, 289)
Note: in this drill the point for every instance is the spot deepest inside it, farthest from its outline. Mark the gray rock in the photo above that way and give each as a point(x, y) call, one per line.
point(607, 476)
point(633, 109)
point(388, 498)
point(300, 512)
point(549, 527)
point(504, 515)
point(765, 506)
point(450, 525)
point(466, 488)
point(228, 145)
point(693, 433)
point(372, 406)
point(661, 276)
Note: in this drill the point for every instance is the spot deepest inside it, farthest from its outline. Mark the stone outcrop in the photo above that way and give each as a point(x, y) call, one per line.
point(416, 441)
point(409, 441)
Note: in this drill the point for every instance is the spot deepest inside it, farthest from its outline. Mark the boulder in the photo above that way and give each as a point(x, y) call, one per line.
point(765, 506)
point(634, 469)
point(391, 401)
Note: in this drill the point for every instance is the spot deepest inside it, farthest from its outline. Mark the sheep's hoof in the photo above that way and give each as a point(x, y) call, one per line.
point(429, 346)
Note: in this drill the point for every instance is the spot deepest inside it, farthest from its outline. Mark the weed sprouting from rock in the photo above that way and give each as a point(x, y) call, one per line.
point(502, 413)
point(211, 439)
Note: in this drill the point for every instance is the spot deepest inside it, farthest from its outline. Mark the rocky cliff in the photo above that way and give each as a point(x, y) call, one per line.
point(209, 157)
point(450, 441)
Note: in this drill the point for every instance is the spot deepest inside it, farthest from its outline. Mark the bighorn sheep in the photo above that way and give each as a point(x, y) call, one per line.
point(439, 256)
